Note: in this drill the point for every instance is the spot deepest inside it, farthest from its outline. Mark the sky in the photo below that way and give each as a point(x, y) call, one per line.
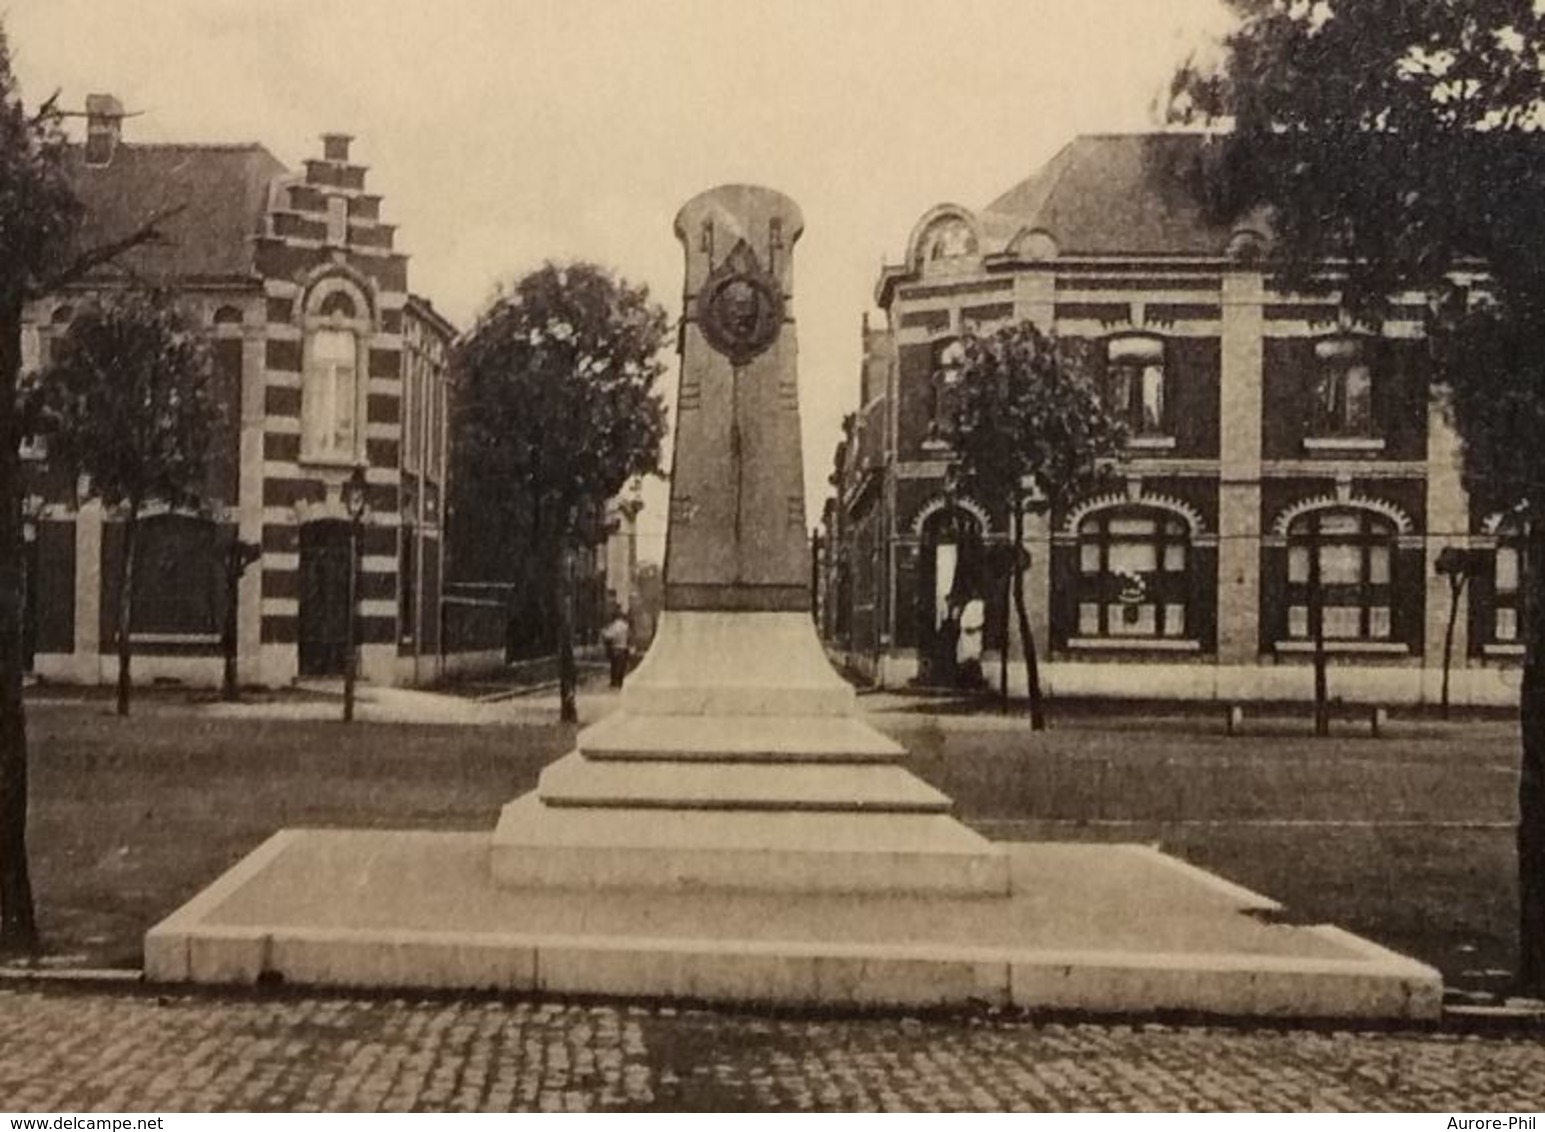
point(503, 133)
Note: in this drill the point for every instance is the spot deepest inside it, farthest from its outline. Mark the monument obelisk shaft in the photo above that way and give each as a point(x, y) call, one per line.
point(737, 758)
point(736, 537)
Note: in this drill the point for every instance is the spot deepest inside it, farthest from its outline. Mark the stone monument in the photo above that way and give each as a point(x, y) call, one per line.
point(737, 757)
point(735, 831)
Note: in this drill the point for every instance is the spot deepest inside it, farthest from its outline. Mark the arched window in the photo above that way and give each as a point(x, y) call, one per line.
point(1132, 573)
point(227, 316)
point(1355, 551)
point(1135, 384)
point(332, 393)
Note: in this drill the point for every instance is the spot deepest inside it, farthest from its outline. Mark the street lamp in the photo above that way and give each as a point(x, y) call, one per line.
point(33, 508)
point(355, 504)
point(1458, 564)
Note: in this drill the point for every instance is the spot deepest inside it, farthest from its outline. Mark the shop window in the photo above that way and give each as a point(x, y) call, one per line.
point(176, 591)
point(1133, 574)
point(1356, 552)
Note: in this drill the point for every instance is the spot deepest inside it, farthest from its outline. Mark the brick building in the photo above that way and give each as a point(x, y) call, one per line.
point(1268, 431)
point(325, 361)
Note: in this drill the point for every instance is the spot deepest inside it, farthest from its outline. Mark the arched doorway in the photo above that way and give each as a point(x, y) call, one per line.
point(325, 565)
point(952, 597)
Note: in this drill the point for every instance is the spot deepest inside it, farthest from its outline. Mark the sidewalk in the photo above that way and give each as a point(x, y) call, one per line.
point(375, 704)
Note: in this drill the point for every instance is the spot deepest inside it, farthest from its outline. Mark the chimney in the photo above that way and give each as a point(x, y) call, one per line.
point(335, 147)
point(104, 126)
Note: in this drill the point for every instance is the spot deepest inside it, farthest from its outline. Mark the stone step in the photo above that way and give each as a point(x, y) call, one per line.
point(536, 845)
point(737, 738)
point(577, 780)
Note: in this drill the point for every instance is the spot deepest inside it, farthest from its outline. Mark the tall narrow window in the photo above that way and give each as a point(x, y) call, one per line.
point(332, 391)
point(948, 357)
point(1135, 384)
point(1506, 590)
point(328, 405)
point(1342, 405)
point(337, 221)
point(407, 580)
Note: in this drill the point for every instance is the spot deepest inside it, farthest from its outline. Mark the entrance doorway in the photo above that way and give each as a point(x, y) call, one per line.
point(952, 599)
point(325, 566)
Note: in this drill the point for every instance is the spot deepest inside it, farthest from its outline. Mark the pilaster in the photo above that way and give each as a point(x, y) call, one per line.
point(88, 592)
point(1239, 488)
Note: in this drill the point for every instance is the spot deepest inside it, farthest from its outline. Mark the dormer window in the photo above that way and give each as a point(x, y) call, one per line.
point(1134, 386)
point(948, 245)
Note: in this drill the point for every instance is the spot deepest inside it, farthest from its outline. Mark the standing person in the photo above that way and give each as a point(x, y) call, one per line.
point(615, 638)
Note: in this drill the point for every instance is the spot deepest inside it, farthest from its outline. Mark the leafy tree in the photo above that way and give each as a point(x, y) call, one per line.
point(1397, 141)
point(1027, 417)
point(557, 410)
point(129, 403)
point(39, 253)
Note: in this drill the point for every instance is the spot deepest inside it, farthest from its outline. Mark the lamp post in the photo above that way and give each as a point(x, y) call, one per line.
point(355, 503)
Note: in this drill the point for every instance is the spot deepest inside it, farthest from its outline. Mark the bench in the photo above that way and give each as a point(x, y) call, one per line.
point(1376, 715)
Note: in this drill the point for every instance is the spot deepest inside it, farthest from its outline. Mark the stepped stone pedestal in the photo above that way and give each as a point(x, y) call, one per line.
point(737, 831)
point(736, 761)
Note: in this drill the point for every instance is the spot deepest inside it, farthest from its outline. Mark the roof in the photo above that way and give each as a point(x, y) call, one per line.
point(1112, 194)
point(222, 191)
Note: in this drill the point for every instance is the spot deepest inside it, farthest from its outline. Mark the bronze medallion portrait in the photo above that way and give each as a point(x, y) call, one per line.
point(741, 313)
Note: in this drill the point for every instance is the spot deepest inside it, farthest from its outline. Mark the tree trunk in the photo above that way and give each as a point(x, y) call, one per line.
point(568, 671)
point(1456, 587)
point(18, 920)
point(126, 603)
point(1531, 776)
point(1317, 628)
point(1003, 652)
point(1026, 636)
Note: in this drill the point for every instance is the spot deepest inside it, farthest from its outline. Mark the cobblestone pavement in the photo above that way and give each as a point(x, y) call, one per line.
point(80, 1050)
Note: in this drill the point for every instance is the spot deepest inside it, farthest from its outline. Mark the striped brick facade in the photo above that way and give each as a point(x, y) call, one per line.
point(1231, 487)
point(313, 241)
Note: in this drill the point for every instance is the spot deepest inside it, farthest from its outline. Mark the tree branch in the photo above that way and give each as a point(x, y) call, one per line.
point(88, 261)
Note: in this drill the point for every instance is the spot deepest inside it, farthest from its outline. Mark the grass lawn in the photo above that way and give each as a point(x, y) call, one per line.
point(130, 818)
point(1405, 839)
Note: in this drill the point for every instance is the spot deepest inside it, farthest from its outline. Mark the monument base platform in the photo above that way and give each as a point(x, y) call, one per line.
point(1095, 928)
